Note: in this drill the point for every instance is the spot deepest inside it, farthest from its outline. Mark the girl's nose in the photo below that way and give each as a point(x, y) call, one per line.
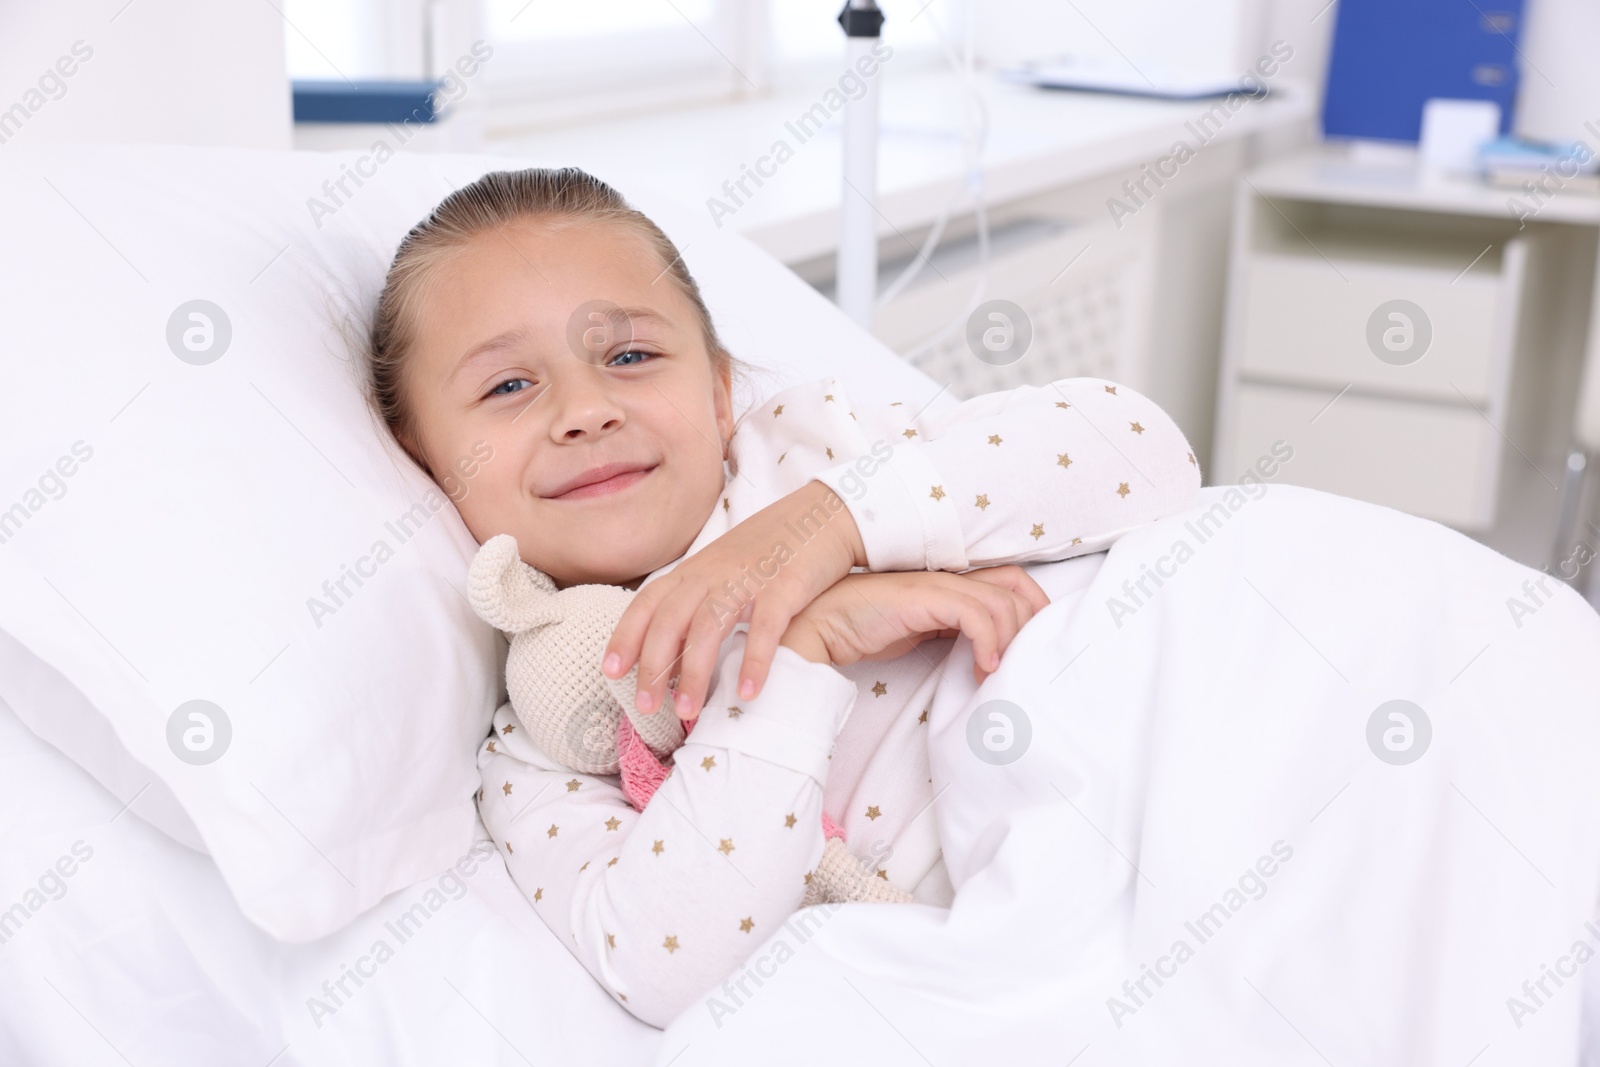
point(586, 406)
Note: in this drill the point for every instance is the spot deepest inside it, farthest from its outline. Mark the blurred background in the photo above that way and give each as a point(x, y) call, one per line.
point(1362, 233)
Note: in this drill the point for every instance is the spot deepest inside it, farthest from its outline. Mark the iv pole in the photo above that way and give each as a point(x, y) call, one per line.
point(856, 284)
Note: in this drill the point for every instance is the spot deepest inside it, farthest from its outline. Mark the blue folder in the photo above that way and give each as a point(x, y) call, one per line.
point(1391, 56)
point(364, 101)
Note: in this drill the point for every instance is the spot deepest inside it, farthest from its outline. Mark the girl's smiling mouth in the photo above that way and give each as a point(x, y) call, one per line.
point(602, 481)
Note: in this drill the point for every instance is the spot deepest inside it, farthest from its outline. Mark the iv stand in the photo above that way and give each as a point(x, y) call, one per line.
point(856, 284)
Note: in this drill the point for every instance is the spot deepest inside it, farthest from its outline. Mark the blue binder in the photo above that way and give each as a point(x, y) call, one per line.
point(1391, 56)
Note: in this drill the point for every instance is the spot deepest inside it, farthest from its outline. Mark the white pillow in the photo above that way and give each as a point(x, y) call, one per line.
point(170, 526)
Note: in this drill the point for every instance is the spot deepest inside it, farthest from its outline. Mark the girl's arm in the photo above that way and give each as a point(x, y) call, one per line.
point(1032, 474)
point(662, 905)
point(1036, 473)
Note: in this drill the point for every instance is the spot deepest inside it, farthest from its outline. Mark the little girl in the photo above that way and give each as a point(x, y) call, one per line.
point(536, 313)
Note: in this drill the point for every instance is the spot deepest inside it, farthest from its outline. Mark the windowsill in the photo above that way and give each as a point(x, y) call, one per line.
point(1038, 140)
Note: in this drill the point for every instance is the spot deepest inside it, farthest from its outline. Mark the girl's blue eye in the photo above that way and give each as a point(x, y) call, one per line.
point(501, 390)
point(633, 352)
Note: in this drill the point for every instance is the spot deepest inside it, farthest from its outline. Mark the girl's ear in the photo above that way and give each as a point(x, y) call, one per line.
point(506, 592)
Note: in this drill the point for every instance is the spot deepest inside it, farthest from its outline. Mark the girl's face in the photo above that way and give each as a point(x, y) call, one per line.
point(520, 347)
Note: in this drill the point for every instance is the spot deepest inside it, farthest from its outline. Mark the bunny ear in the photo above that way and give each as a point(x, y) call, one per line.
point(506, 592)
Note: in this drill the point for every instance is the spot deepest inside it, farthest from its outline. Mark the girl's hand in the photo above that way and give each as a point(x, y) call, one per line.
point(759, 572)
point(885, 615)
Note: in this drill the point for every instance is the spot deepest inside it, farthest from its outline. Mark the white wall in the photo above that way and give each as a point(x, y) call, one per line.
point(1200, 38)
point(197, 72)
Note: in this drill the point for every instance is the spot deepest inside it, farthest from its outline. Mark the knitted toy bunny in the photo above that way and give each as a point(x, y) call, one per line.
point(585, 720)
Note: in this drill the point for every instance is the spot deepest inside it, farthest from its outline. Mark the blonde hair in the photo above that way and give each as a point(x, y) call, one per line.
point(559, 196)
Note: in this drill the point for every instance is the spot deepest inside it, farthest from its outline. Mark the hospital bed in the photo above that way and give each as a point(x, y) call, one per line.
point(1221, 846)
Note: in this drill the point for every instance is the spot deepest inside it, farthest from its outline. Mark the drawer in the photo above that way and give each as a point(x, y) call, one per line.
point(1302, 322)
point(1432, 460)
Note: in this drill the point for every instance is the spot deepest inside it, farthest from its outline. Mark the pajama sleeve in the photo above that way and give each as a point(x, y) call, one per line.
point(664, 904)
point(1032, 474)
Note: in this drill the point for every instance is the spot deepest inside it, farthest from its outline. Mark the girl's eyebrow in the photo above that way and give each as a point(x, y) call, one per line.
point(516, 336)
point(509, 339)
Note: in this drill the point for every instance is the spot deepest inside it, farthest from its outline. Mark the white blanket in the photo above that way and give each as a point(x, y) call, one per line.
point(1200, 815)
point(1198, 774)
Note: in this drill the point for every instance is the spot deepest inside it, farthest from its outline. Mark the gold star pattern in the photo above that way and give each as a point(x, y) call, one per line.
point(937, 492)
point(1111, 389)
point(734, 711)
point(613, 822)
point(709, 762)
point(611, 941)
point(553, 831)
point(878, 689)
point(828, 397)
point(780, 457)
point(1063, 460)
point(747, 923)
point(851, 414)
point(538, 894)
point(789, 820)
point(1192, 463)
point(908, 434)
point(624, 996)
point(507, 728)
point(883, 874)
point(657, 847)
point(829, 451)
point(572, 786)
point(671, 943)
point(612, 862)
point(1123, 490)
point(1037, 531)
point(725, 504)
point(873, 812)
point(510, 849)
point(924, 716)
point(726, 846)
point(1062, 404)
point(1077, 540)
point(897, 403)
point(585, 867)
point(982, 502)
point(994, 439)
point(777, 410)
point(1135, 427)
point(507, 788)
point(808, 878)
point(491, 744)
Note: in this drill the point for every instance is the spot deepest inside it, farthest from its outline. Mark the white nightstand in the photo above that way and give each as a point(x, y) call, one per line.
point(1413, 341)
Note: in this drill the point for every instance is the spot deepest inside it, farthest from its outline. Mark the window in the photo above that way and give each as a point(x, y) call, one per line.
point(564, 60)
point(807, 33)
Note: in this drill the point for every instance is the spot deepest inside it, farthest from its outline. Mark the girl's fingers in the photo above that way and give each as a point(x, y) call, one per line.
point(700, 649)
point(768, 623)
point(1005, 612)
point(1010, 576)
point(973, 616)
point(627, 639)
point(662, 652)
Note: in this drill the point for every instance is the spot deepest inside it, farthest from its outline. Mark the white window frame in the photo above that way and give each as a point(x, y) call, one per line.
point(541, 84)
point(535, 83)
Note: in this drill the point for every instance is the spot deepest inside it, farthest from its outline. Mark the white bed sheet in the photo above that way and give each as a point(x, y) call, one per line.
point(141, 956)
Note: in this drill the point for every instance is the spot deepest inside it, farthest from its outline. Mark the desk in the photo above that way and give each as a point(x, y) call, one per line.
point(1472, 431)
point(1039, 141)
